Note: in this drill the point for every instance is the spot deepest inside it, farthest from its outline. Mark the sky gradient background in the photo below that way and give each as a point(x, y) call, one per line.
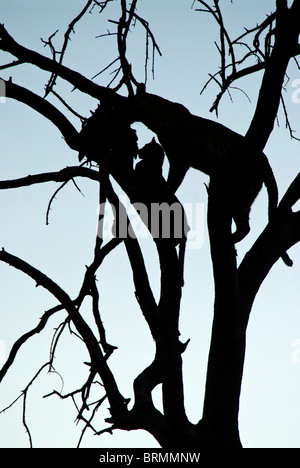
point(270, 402)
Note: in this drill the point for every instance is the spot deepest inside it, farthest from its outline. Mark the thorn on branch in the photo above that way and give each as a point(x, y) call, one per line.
point(183, 346)
point(109, 430)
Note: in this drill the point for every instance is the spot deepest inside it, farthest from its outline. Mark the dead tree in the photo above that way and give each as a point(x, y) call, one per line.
point(274, 44)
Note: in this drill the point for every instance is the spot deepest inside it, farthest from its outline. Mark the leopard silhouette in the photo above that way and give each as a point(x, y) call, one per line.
point(189, 141)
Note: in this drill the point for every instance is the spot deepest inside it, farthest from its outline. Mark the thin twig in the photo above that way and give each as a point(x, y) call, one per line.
point(252, 51)
point(287, 120)
point(88, 421)
point(145, 24)
point(51, 200)
point(11, 64)
point(67, 105)
point(105, 68)
point(98, 362)
point(17, 345)
point(24, 396)
point(108, 349)
point(70, 29)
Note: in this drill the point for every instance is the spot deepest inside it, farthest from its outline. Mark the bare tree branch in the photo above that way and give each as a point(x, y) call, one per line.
point(278, 236)
point(17, 345)
point(117, 402)
point(268, 46)
point(107, 348)
point(64, 175)
point(264, 56)
point(11, 64)
point(123, 29)
point(46, 109)
point(8, 44)
point(70, 29)
point(23, 395)
point(285, 45)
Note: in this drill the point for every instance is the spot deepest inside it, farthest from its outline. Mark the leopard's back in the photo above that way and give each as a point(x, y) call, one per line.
point(237, 170)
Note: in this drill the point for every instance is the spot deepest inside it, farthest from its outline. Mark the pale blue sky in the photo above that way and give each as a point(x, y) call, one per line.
point(270, 403)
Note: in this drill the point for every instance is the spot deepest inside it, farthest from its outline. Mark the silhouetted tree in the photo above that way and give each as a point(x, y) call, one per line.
point(107, 147)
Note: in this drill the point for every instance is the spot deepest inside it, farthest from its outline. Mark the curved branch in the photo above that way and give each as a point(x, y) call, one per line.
point(150, 418)
point(46, 109)
point(273, 59)
point(291, 196)
point(8, 44)
point(17, 345)
point(286, 43)
point(117, 401)
point(64, 175)
point(53, 77)
point(143, 290)
point(226, 84)
point(279, 236)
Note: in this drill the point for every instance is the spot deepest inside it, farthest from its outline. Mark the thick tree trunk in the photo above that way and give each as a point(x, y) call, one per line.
point(286, 45)
point(226, 356)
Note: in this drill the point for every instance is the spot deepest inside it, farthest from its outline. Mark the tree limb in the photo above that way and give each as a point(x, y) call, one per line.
point(280, 235)
point(46, 109)
point(53, 77)
point(17, 345)
point(143, 290)
point(65, 174)
point(117, 401)
point(8, 44)
point(286, 42)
